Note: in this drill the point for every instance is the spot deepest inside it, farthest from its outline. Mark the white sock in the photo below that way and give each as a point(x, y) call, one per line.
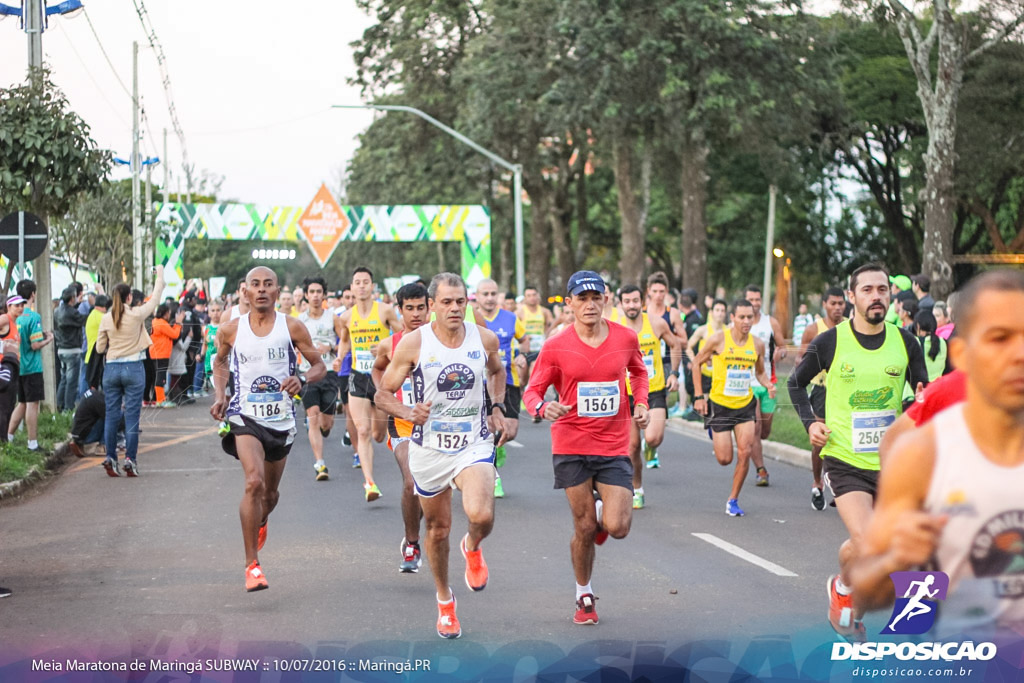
point(582, 590)
point(320, 463)
point(446, 602)
point(32, 443)
point(10, 437)
point(639, 490)
point(842, 588)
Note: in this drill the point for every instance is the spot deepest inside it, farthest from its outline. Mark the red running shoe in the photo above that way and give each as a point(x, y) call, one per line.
point(476, 567)
point(255, 579)
point(585, 611)
point(261, 537)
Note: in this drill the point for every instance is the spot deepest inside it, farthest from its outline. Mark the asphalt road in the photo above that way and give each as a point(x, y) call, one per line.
point(155, 564)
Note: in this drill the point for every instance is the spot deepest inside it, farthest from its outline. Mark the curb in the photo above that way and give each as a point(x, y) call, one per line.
point(783, 452)
point(60, 455)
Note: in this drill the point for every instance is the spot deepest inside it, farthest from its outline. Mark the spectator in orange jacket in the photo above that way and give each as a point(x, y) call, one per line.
point(164, 334)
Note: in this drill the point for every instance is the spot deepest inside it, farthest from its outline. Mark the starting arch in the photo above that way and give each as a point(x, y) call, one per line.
point(468, 224)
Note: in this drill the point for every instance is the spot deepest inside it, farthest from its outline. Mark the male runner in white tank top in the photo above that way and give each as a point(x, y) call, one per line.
point(239, 309)
point(768, 330)
point(260, 347)
point(320, 399)
point(453, 437)
point(951, 494)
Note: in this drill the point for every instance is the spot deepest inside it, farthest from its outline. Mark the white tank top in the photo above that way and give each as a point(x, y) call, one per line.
point(763, 331)
point(321, 330)
point(259, 366)
point(982, 545)
point(453, 381)
point(235, 312)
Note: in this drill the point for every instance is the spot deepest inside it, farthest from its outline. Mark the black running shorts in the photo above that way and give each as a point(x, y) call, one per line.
point(658, 399)
point(30, 388)
point(343, 388)
point(360, 385)
point(573, 470)
point(322, 394)
point(841, 477)
point(722, 419)
point(276, 445)
point(513, 401)
point(818, 401)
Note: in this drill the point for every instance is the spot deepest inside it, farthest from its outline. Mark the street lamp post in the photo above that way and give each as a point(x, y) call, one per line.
point(517, 175)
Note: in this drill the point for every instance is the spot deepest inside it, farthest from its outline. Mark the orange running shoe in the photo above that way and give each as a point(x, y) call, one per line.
point(448, 625)
point(476, 567)
point(840, 614)
point(586, 613)
point(255, 579)
point(261, 537)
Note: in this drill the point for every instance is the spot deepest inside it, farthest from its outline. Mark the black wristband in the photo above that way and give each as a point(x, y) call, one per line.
point(499, 406)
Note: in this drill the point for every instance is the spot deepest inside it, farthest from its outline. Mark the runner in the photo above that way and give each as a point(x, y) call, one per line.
point(412, 304)
point(769, 331)
point(343, 366)
point(656, 307)
point(651, 332)
point(364, 326)
point(587, 365)
point(452, 441)
point(260, 347)
point(950, 492)
point(700, 336)
point(509, 329)
point(538, 321)
point(320, 399)
point(834, 307)
point(737, 359)
point(872, 360)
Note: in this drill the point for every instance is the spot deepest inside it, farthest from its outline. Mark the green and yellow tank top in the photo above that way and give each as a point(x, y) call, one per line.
point(709, 332)
point(650, 350)
point(865, 391)
point(365, 333)
point(732, 372)
point(819, 379)
point(534, 323)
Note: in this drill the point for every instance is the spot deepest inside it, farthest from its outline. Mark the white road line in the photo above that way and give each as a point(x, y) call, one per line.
point(744, 555)
point(514, 444)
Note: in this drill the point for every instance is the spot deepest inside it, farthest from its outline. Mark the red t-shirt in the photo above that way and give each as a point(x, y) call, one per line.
point(585, 379)
point(944, 392)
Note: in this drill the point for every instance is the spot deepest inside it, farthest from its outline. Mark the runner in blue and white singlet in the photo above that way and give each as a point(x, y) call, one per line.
point(261, 347)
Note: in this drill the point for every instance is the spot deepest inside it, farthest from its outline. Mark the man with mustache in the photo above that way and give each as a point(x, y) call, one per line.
point(867, 361)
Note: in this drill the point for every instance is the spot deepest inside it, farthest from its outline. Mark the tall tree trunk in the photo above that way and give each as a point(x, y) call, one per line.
point(538, 269)
point(582, 206)
point(633, 215)
point(560, 216)
point(694, 188)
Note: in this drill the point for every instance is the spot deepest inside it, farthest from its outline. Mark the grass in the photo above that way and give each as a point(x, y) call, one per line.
point(16, 460)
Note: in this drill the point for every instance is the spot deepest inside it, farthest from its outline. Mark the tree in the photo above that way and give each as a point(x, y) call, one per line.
point(99, 227)
point(939, 83)
point(47, 159)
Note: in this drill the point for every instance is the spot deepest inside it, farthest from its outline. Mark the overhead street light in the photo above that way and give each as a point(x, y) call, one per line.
point(517, 175)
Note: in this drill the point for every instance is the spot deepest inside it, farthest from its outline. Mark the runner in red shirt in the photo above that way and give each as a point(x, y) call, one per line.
point(587, 364)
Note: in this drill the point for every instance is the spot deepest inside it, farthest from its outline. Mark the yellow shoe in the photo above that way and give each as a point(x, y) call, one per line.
point(372, 492)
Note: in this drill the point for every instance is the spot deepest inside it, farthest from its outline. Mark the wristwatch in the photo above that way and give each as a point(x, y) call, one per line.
point(698, 397)
point(500, 407)
point(538, 409)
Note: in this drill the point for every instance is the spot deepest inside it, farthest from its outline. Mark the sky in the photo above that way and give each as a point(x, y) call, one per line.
point(252, 84)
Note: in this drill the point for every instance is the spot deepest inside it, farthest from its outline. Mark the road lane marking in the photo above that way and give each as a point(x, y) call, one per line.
point(744, 555)
point(514, 444)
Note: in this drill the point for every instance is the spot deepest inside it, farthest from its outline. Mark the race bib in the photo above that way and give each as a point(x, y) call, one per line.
point(407, 397)
point(737, 383)
point(869, 427)
point(597, 399)
point(268, 407)
point(450, 436)
point(363, 361)
point(649, 364)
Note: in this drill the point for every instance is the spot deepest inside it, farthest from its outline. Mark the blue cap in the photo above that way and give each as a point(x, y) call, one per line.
point(585, 281)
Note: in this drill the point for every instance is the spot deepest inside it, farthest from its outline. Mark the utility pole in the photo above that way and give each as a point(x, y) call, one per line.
point(136, 163)
point(33, 18)
point(769, 246)
point(167, 169)
point(148, 231)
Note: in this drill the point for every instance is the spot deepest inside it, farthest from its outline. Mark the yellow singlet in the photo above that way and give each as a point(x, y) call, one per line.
point(733, 370)
point(364, 333)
